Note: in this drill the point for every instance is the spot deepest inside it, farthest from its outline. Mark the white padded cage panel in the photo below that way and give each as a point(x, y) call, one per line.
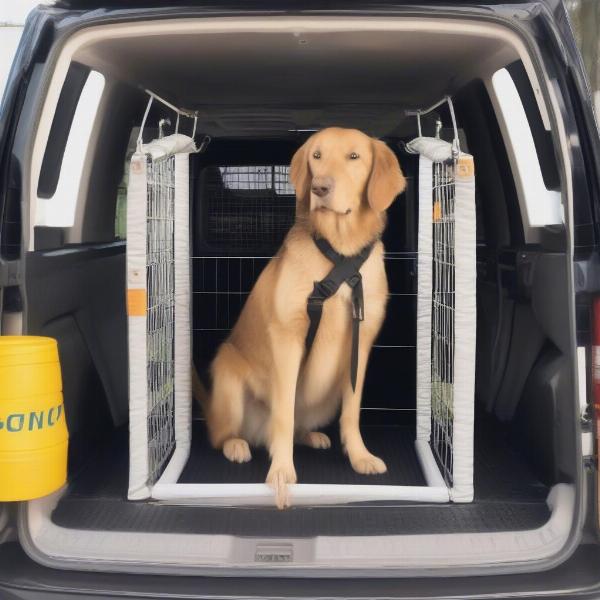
point(158, 306)
point(446, 311)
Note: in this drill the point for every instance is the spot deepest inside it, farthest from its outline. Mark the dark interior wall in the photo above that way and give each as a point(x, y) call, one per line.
point(77, 297)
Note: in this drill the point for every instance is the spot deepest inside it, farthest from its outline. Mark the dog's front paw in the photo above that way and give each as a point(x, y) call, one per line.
point(278, 478)
point(237, 450)
point(368, 464)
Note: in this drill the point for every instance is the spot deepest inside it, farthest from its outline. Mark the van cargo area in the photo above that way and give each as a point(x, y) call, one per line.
point(258, 88)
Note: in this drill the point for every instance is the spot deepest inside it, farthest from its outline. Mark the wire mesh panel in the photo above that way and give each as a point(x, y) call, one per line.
point(247, 208)
point(160, 314)
point(442, 316)
point(245, 213)
point(221, 286)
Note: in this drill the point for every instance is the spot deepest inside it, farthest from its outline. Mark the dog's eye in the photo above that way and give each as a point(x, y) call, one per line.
point(317, 155)
point(353, 156)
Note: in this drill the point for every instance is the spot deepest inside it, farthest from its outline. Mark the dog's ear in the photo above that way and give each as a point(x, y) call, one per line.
point(386, 180)
point(300, 176)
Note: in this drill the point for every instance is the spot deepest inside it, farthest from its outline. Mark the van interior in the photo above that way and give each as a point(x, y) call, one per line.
point(258, 92)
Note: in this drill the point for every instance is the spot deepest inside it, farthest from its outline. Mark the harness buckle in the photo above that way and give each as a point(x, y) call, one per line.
point(314, 304)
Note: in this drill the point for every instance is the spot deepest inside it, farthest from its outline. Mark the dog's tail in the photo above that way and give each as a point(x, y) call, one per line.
point(199, 391)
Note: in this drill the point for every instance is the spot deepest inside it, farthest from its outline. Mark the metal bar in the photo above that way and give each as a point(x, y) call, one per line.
point(424, 111)
point(179, 111)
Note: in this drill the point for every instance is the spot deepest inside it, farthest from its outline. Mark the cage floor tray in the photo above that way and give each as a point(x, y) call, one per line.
point(325, 476)
point(395, 445)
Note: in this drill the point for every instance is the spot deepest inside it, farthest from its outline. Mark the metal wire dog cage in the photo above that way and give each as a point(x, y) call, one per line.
point(250, 207)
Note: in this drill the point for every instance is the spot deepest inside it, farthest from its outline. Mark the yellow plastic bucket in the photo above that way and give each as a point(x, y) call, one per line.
point(33, 430)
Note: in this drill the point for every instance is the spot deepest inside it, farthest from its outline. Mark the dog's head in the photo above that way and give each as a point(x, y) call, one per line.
point(345, 180)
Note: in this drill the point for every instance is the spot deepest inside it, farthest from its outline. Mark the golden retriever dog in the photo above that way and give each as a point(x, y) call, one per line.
point(266, 389)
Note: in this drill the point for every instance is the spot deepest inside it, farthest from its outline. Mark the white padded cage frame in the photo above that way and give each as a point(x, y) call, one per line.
point(159, 173)
point(158, 307)
point(446, 312)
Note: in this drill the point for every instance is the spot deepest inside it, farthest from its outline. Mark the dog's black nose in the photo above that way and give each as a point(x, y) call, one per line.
point(322, 186)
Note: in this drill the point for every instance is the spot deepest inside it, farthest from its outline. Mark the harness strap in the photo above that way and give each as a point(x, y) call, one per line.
point(346, 269)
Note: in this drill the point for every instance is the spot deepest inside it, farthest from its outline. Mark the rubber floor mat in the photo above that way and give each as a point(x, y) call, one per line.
point(508, 496)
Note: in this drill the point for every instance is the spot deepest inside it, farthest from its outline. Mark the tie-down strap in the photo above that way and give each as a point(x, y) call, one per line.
point(346, 269)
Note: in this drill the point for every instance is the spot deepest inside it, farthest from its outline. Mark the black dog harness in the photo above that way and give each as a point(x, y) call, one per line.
point(346, 269)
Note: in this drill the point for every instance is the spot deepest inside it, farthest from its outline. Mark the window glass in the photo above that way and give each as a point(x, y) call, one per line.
point(273, 177)
point(246, 208)
point(59, 209)
point(539, 205)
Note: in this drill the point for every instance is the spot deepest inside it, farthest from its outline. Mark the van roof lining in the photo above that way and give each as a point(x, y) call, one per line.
point(288, 79)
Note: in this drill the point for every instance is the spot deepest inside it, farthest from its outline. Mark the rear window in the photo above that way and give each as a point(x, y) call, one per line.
point(65, 156)
point(274, 177)
point(245, 208)
point(540, 205)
